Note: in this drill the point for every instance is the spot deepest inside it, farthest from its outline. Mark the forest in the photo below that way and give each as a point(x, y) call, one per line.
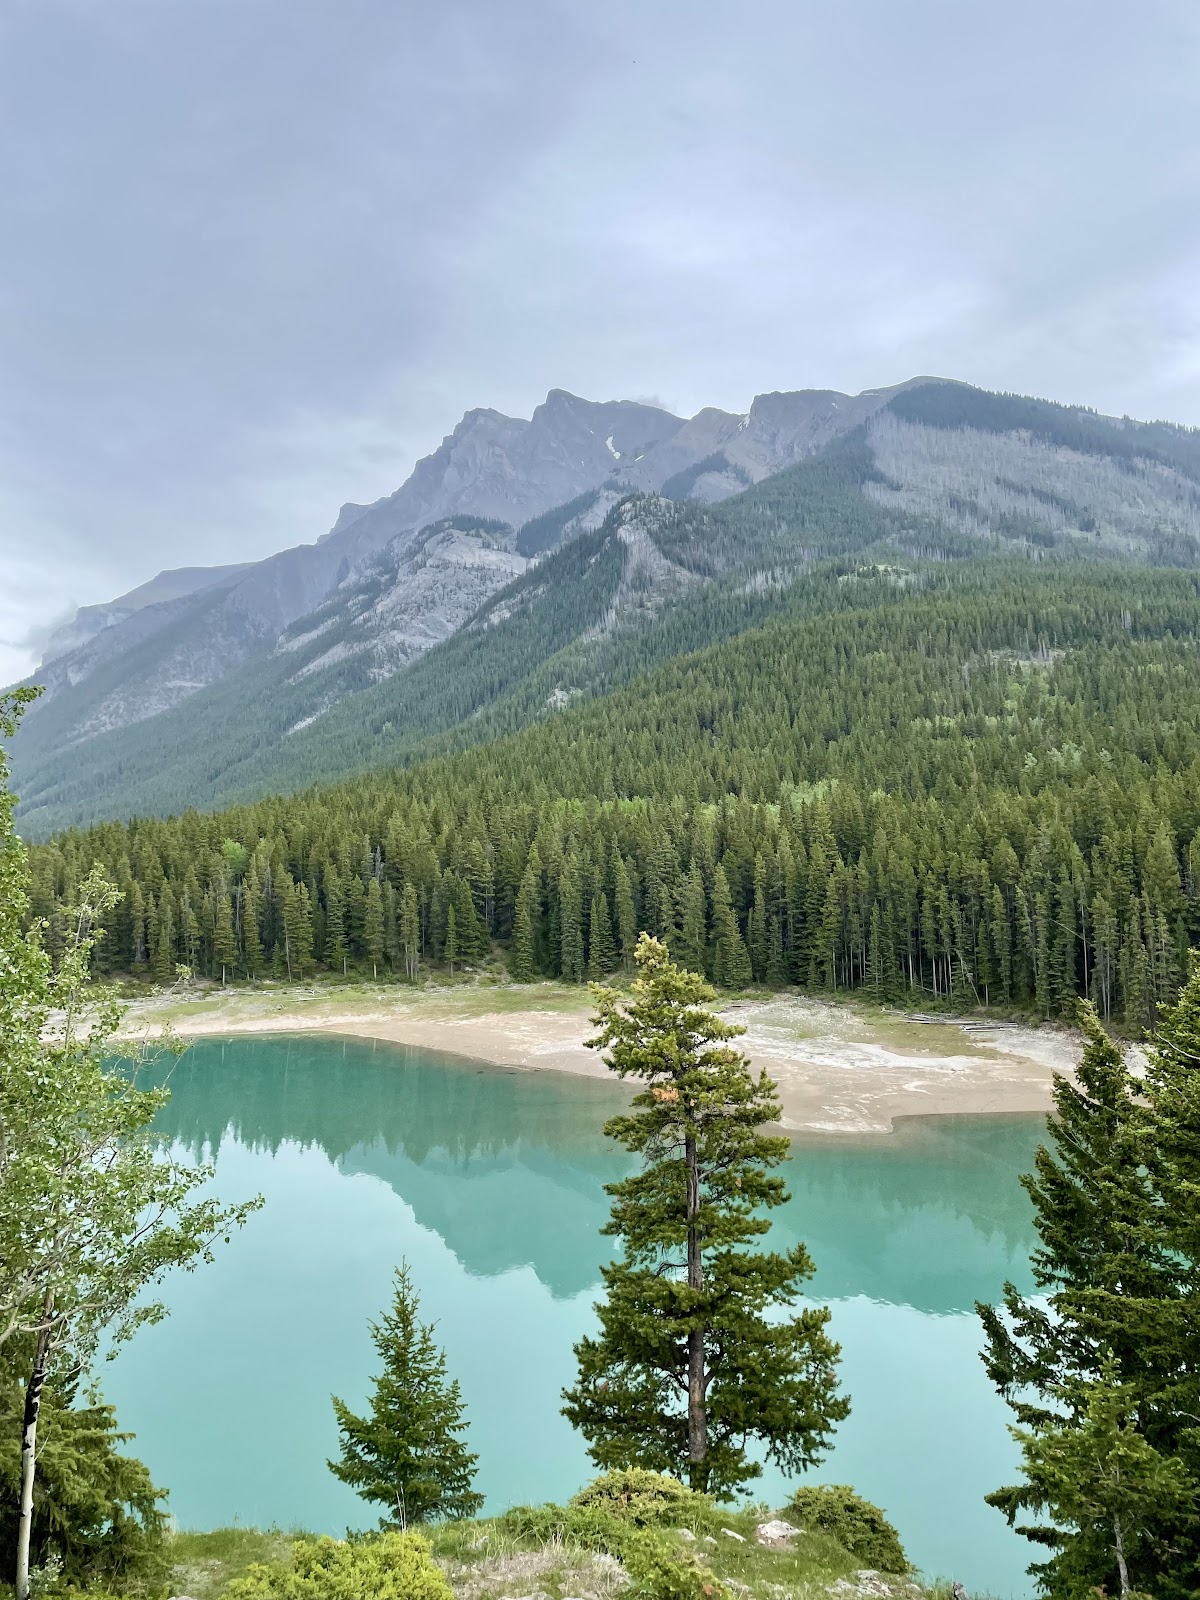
point(964, 784)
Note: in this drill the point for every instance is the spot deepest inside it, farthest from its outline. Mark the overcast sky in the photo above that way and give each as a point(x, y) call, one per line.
point(257, 256)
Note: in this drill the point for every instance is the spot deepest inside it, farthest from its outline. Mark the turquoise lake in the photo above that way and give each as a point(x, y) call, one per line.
point(489, 1182)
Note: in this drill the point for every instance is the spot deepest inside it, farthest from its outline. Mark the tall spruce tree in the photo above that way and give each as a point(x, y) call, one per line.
point(698, 1353)
point(1103, 1485)
point(1111, 1308)
point(408, 1455)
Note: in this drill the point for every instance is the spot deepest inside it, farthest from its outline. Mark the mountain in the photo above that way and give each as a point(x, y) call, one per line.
point(89, 621)
point(474, 623)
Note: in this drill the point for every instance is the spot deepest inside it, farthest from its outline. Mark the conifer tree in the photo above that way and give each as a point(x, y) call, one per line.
point(1106, 1285)
point(451, 949)
point(731, 962)
point(693, 933)
point(410, 931)
point(602, 952)
point(627, 928)
point(408, 1454)
point(521, 962)
point(570, 900)
point(252, 949)
point(336, 949)
point(698, 1351)
point(373, 926)
point(224, 941)
point(1103, 1485)
point(162, 963)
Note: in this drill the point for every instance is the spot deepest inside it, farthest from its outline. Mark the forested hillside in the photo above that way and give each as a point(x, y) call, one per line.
point(970, 781)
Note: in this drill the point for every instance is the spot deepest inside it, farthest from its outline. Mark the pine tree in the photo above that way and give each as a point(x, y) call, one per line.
point(693, 932)
point(251, 913)
point(602, 952)
point(410, 931)
point(731, 961)
point(408, 1454)
point(451, 947)
point(336, 949)
point(162, 961)
point(1105, 1282)
point(373, 926)
point(224, 942)
point(627, 928)
point(570, 900)
point(521, 962)
point(1104, 1486)
point(693, 1358)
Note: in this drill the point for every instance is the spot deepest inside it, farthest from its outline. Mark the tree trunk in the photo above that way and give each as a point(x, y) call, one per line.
point(1118, 1551)
point(697, 1421)
point(33, 1405)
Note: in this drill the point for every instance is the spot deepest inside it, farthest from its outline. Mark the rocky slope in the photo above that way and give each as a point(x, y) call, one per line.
point(139, 655)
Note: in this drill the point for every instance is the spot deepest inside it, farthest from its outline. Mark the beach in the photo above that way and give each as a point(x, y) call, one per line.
point(840, 1067)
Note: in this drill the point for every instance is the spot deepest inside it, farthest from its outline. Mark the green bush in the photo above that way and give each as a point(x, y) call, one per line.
point(589, 1527)
point(658, 1572)
point(856, 1524)
point(394, 1566)
point(646, 1499)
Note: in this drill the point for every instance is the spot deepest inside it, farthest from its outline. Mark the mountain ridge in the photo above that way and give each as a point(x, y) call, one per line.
point(469, 626)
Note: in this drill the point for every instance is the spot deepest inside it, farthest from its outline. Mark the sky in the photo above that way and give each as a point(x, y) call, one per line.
point(258, 256)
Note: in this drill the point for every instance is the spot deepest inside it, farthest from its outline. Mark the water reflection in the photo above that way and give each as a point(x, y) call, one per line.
point(508, 1167)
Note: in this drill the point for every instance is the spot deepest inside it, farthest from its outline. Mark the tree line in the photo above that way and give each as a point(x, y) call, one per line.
point(944, 793)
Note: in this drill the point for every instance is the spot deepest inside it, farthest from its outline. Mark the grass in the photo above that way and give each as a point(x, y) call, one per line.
point(494, 1557)
point(203, 1563)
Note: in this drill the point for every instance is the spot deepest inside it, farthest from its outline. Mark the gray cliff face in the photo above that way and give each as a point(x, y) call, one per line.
point(144, 653)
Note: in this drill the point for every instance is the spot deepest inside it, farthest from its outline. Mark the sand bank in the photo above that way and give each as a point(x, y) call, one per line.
point(840, 1068)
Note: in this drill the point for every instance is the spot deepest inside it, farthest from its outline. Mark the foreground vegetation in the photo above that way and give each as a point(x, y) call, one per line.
point(632, 1533)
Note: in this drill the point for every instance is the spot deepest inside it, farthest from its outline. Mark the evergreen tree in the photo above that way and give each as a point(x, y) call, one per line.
point(410, 931)
point(731, 961)
point(1106, 1284)
point(602, 952)
point(373, 926)
point(692, 945)
point(1104, 1486)
point(521, 962)
point(627, 928)
point(162, 961)
point(251, 918)
point(336, 949)
point(694, 1358)
point(408, 1454)
point(570, 901)
point(225, 951)
point(451, 946)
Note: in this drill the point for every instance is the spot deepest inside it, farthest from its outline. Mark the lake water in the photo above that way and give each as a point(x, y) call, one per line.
point(489, 1182)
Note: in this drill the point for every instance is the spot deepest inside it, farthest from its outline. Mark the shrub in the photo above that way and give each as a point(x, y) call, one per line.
point(644, 1498)
point(394, 1566)
point(590, 1527)
point(856, 1524)
point(660, 1573)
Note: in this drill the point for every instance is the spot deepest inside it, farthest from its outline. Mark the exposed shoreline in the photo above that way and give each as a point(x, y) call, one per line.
point(841, 1068)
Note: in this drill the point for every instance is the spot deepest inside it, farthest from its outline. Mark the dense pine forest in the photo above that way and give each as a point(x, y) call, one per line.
point(972, 783)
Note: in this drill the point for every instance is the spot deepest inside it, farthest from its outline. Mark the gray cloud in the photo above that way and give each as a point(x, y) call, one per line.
point(259, 254)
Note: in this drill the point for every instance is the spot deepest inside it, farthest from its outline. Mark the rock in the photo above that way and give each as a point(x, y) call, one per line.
point(776, 1532)
point(729, 1534)
point(687, 1535)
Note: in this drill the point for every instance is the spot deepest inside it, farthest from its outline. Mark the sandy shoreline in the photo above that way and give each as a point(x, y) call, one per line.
point(840, 1068)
